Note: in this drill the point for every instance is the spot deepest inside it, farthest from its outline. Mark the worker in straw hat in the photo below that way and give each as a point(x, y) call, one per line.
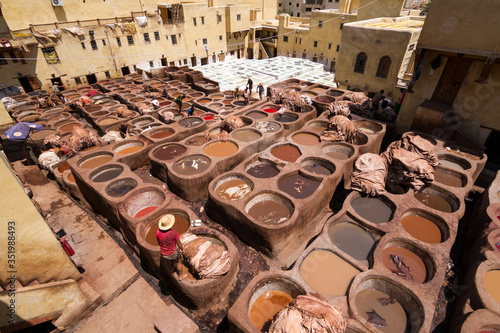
point(168, 240)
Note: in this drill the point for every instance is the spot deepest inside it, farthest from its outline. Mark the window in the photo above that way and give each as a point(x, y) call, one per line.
point(338, 48)
point(297, 5)
point(300, 41)
point(320, 24)
point(194, 21)
point(203, 20)
point(329, 46)
point(83, 45)
point(289, 4)
point(78, 80)
point(205, 41)
point(107, 75)
point(50, 55)
point(146, 38)
point(411, 47)
point(103, 42)
point(93, 44)
point(315, 43)
point(151, 64)
point(285, 38)
point(174, 39)
point(157, 35)
point(298, 14)
point(220, 37)
point(359, 65)
point(238, 17)
point(383, 67)
point(309, 9)
point(13, 57)
point(2, 60)
point(341, 26)
point(130, 40)
point(118, 41)
point(219, 19)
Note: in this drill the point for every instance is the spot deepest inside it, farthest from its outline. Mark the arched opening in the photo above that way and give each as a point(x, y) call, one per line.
point(359, 66)
point(383, 67)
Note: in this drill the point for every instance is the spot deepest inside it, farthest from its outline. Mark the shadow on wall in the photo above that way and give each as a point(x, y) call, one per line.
point(11, 322)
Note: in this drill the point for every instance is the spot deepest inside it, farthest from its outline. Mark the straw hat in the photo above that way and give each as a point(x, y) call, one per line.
point(166, 222)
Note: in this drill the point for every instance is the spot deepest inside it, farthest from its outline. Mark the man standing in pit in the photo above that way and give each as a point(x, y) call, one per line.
point(168, 239)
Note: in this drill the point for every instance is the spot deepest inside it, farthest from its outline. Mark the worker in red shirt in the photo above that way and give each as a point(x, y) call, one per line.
point(168, 240)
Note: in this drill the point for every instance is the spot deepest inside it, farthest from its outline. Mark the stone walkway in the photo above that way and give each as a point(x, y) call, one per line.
point(110, 278)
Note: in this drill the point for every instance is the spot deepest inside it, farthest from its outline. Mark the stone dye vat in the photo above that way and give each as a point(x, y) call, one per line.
point(375, 210)
point(352, 240)
point(233, 187)
point(263, 297)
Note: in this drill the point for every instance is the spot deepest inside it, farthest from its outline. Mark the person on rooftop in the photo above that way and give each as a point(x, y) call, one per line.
point(260, 90)
point(250, 84)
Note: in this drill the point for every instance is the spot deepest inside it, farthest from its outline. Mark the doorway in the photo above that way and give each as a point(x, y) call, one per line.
point(193, 61)
point(164, 62)
point(451, 79)
point(125, 70)
point(204, 61)
point(91, 79)
point(59, 83)
point(25, 84)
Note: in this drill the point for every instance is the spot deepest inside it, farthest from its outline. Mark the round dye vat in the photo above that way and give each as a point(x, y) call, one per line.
point(107, 174)
point(372, 209)
point(69, 127)
point(490, 282)
point(96, 161)
point(233, 189)
point(442, 177)
point(256, 115)
point(190, 122)
point(270, 110)
point(306, 139)
point(181, 225)
point(107, 121)
point(246, 135)
point(327, 273)
point(169, 152)
point(191, 165)
point(145, 211)
point(298, 186)
point(317, 169)
point(263, 170)
point(119, 188)
point(352, 239)
point(266, 306)
point(405, 264)
point(318, 126)
point(286, 117)
point(382, 311)
point(221, 149)
point(39, 136)
point(129, 150)
point(71, 178)
point(451, 165)
point(268, 126)
point(162, 134)
point(287, 153)
point(269, 212)
point(63, 167)
point(197, 141)
point(434, 201)
point(422, 229)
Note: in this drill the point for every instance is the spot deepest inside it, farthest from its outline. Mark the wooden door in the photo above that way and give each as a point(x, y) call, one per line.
point(454, 73)
point(34, 82)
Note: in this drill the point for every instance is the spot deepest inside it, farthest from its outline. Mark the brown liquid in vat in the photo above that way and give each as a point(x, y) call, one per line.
point(262, 171)
point(233, 189)
point(306, 139)
point(197, 141)
point(269, 212)
point(337, 155)
point(192, 165)
point(422, 229)
point(161, 134)
point(490, 282)
point(352, 239)
point(416, 272)
point(246, 136)
point(266, 306)
point(317, 169)
point(286, 153)
point(129, 150)
point(181, 225)
point(447, 179)
point(372, 209)
point(433, 201)
point(221, 149)
point(169, 152)
point(451, 165)
point(96, 161)
point(298, 186)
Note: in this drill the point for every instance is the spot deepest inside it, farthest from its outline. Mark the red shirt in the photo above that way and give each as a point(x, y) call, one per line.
point(167, 240)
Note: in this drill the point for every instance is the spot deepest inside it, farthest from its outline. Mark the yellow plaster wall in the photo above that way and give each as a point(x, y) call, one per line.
point(269, 8)
point(468, 25)
point(232, 23)
point(381, 8)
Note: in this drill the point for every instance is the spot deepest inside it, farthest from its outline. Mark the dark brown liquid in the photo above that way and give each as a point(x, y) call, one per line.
point(266, 306)
point(69, 128)
point(257, 115)
point(63, 167)
point(317, 169)
point(181, 225)
point(352, 239)
point(263, 171)
point(393, 316)
point(451, 165)
point(422, 228)
point(106, 175)
point(233, 189)
point(286, 153)
point(416, 271)
point(192, 165)
point(169, 152)
point(221, 149)
point(433, 201)
point(298, 186)
point(269, 212)
point(162, 134)
point(96, 161)
point(40, 135)
point(372, 209)
point(306, 139)
point(197, 141)
point(447, 179)
point(121, 187)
